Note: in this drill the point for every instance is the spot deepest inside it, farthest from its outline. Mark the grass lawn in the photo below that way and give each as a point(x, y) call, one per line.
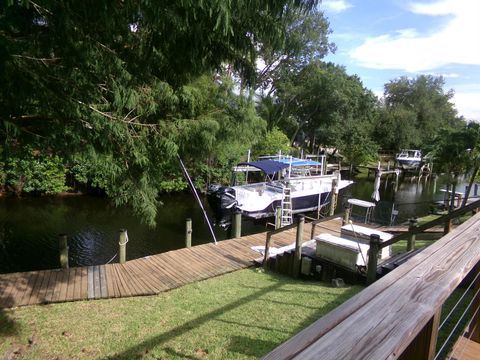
point(241, 315)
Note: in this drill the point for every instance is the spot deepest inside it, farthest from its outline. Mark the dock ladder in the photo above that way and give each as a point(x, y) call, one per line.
point(286, 218)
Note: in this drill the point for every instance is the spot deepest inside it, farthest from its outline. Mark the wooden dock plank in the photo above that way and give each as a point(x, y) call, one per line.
point(148, 275)
point(59, 284)
point(136, 281)
point(19, 289)
point(212, 253)
point(7, 299)
point(194, 266)
point(91, 283)
point(62, 293)
point(179, 269)
point(160, 273)
point(24, 300)
point(123, 289)
point(96, 282)
point(103, 282)
point(110, 282)
point(35, 293)
point(141, 274)
point(163, 267)
point(204, 263)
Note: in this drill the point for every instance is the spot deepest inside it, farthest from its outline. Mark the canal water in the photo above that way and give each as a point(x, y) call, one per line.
point(29, 227)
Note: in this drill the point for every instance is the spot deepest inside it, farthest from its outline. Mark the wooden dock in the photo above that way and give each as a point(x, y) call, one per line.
point(145, 276)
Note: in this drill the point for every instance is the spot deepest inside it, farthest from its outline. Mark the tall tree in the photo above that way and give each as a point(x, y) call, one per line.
point(324, 105)
point(103, 83)
point(418, 107)
point(455, 151)
point(306, 41)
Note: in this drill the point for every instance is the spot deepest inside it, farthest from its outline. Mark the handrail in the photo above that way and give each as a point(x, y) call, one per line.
point(397, 316)
point(428, 225)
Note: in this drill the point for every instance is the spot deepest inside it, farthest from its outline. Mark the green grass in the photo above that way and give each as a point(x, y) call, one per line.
point(241, 315)
point(401, 246)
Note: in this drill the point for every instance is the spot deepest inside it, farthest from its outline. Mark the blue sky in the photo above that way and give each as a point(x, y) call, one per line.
point(380, 40)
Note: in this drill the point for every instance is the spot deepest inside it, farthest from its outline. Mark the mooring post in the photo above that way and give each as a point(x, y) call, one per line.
point(122, 246)
point(373, 258)
point(237, 224)
point(63, 246)
point(278, 217)
point(413, 223)
point(333, 197)
point(297, 260)
point(188, 233)
point(267, 250)
point(346, 215)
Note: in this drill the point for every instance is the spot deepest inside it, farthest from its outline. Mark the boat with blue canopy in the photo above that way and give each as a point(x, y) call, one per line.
point(258, 188)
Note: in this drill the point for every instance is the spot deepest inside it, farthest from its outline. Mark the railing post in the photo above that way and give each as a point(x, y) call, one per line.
point(346, 215)
point(237, 224)
point(423, 346)
point(474, 330)
point(122, 246)
point(312, 234)
point(188, 233)
point(448, 226)
point(267, 248)
point(373, 258)
point(298, 246)
point(413, 224)
point(63, 246)
point(278, 217)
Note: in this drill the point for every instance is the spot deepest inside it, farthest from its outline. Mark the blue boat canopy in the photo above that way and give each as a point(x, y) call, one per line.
point(299, 162)
point(267, 166)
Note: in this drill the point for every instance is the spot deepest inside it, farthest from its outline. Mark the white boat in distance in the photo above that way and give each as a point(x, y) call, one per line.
point(288, 183)
point(409, 159)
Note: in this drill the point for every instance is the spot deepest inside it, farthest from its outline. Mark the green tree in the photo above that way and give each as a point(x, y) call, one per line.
point(455, 151)
point(306, 41)
point(106, 83)
point(274, 141)
point(414, 110)
point(326, 106)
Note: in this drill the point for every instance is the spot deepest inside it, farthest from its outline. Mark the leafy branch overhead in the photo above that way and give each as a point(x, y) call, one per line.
point(109, 83)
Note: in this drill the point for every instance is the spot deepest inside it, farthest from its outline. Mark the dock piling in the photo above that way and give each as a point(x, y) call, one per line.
point(413, 223)
point(63, 246)
point(346, 215)
point(298, 246)
point(122, 246)
point(373, 258)
point(237, 224)
point(188, 232)
point(333, 197)
point(278, 217)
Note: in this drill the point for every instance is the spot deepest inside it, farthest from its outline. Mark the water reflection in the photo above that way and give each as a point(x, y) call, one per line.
point(29, 227)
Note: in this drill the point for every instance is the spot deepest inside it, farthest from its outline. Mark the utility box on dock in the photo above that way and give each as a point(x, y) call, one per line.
point(362, 234)
point(344, 252)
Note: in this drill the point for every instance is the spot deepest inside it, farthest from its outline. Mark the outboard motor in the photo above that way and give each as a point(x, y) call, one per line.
point(221, 198)
point(222, 201)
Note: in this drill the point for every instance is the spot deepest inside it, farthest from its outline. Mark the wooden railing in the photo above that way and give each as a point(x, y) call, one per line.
point(376, 246)
point(397, 316)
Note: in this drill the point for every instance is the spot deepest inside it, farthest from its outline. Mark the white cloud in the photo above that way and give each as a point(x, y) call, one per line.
point(468, 104)
point(405, 49)
point(335, 6)
point(444, 75)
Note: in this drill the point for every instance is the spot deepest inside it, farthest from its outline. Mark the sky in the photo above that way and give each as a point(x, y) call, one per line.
point(381, 40)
